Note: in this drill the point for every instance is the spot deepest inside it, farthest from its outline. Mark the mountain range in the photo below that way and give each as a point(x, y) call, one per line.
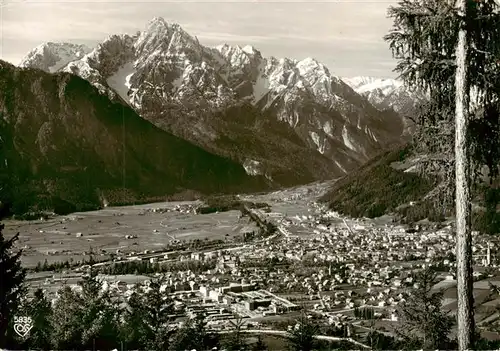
point(285, 121)
point(389, 94)
point(65, 146)
point(218, 96)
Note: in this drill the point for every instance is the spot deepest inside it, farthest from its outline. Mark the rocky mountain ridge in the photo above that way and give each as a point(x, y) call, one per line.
point(216, 97)
point(387, 93)
point(65, 145)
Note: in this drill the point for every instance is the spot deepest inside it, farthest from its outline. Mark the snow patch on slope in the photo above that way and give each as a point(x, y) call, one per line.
point(64, 58)
point(317, 140)
point(252, 167)
point(347, 140)
point(51, 57)
point(372, 135)
point(120, 80)
point(249, 49)
point(328, 129)
point(261, 86)
point(340, 166)
point(386, 86)
point(386, 93)
point(366, 84)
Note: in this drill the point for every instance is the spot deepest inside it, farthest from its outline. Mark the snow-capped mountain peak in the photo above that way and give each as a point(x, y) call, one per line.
point(367, 84)
point(384, 92)
point(249, 49)
point(387, 93)
point(157, 21)
point(169, 78)
point(238, 57)
point(51, 56)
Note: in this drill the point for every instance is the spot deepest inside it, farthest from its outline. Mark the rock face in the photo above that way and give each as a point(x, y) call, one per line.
point(293, 119)
point(66, 147)
point(387, 94)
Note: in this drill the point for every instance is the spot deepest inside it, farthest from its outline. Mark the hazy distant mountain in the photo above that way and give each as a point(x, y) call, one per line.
point(64, 144)
point(378, 90)
point(291, 120)
point(386, 93)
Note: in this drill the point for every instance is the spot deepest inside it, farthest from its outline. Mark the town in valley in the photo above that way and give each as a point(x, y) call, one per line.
point(265, 264)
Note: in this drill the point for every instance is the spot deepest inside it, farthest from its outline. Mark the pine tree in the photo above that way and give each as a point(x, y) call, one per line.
point(465, 303)
point(301, 337)
point(423, 40)
point(260, 345)
point(453, 54)
point(158, 307)
point(133, 328)
point(422, 322)
point(183, 338)
point(99, 315)
point(40, 310)
point(12, 287)
point(235, 340)
point(192, 335)
point(66, 320)
point(379, 341)
point(146, 321)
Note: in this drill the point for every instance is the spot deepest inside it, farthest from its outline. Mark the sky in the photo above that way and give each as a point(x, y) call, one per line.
point(345, 35)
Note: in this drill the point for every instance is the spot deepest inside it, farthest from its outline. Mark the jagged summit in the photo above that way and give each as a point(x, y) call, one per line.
point(249, 49)
point(170, 78)
point(158, 25)
point(387, 93)
point(384, 92)
point(65, 143)
point(157, 20)
point(51, 56)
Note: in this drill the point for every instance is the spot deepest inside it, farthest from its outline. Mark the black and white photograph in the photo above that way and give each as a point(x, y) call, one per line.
point(249, 175)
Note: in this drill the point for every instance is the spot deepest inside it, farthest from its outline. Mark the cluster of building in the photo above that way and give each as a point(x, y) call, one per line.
point(181, 208)
point(333, 265)
point(245, 300)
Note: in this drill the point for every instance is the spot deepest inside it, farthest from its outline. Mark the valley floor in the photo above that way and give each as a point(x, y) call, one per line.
point(298, 265)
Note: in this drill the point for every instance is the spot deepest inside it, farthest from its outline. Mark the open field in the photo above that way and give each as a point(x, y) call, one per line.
point(105, 231)
point(485, 303)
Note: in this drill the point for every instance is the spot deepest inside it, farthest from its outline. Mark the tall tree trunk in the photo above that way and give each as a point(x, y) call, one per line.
point(465, 313)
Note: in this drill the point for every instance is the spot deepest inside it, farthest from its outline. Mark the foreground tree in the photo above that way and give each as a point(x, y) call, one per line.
point(133, 328)
point(301, 337)
point(259, 345)
point(146, 319)
point(66, 320)
point(380, 341)
point(423, 323)
point(235, 341)
point(100, 315)
point(40, 310)
point(193, 335)
point(451, 53)
point(11, 283)
point(424, 40)
point(465, 309)
point(158, 307)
